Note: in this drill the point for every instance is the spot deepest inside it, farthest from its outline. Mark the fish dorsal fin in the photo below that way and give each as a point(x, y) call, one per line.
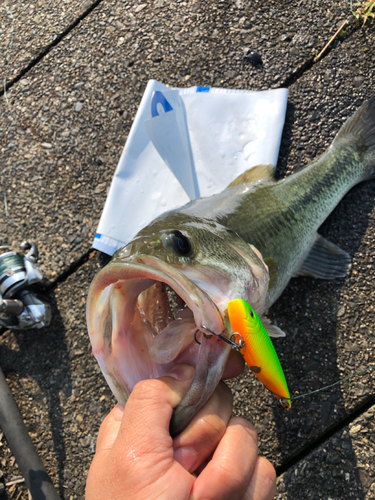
point(258, 174)
point(272, 330)
point(325, 260)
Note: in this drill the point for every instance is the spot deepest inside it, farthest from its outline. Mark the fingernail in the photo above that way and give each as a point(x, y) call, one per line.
point(181, 372)
point(118, 412)
point(187, 457)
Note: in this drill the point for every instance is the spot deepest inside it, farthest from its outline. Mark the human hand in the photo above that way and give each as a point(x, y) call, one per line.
point(215, 457)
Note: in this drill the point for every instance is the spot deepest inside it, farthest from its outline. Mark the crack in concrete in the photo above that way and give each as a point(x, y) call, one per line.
point(312, 61)
point(49, 286)
point(328, 434)
point(48, 48)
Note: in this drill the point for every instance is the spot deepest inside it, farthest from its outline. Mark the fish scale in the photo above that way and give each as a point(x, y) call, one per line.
point(244, 243)
point(281, 218)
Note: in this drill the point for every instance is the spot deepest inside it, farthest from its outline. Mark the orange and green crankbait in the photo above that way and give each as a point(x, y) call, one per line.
point(259, 353)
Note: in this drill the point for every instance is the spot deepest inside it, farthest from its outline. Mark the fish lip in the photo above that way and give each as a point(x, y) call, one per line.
point(212, 354)
point(146, 267)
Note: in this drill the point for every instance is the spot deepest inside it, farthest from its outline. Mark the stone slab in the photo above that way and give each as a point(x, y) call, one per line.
point(65, 123)
point(68, 122)
point(284, 35)
point(343, 467)
point(28, 29)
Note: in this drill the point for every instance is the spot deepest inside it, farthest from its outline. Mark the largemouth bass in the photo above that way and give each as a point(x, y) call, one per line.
point(179, 273)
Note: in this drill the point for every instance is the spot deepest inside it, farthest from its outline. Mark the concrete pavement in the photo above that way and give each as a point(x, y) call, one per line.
point(62, 129)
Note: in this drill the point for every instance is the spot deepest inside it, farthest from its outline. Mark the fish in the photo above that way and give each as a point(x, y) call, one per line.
point(179, 272)
point(258, 350)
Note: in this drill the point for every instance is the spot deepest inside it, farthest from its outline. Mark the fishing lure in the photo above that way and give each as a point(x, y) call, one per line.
point(259, 352)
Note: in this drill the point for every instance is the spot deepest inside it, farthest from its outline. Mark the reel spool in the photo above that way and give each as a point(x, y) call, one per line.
point(20, 306)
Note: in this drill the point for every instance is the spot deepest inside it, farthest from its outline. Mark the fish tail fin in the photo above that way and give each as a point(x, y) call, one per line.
point(359, 130)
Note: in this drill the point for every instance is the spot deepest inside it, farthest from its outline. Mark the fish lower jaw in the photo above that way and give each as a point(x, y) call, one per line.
point(140, 328)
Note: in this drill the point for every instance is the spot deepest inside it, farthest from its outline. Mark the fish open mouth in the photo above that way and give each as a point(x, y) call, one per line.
point(169, 320)
point(142, 317)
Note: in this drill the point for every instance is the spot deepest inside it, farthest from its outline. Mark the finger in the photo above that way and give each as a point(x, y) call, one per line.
point(149, 409)
point(235, 365)
point(201, 437)
point(109, 429)
point(263, 482)
point(228, 474)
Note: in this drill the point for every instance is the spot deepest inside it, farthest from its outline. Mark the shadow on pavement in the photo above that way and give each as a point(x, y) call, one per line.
point(311, 313)
point(42, 378)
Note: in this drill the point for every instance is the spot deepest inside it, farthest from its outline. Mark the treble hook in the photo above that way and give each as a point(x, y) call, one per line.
point(195, 337)
point(233, 345)
point(205, 335)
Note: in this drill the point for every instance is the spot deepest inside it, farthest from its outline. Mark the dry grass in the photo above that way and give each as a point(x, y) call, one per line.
point(364, 10)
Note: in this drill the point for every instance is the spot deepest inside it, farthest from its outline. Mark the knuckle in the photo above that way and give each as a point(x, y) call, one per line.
point(231, 476)
point(213, 425)
point(247, 428)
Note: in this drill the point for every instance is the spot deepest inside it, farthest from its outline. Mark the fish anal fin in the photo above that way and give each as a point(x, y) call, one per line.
point(260, 173)
point(325, 260)
point(272, 330)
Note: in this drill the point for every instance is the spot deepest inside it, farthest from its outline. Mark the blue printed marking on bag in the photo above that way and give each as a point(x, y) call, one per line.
point(159, 104)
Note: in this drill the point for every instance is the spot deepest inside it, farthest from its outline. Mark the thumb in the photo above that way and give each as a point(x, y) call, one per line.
point(149, 409)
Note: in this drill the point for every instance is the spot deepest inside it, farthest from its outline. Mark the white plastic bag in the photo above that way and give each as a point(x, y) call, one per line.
point(185, 144)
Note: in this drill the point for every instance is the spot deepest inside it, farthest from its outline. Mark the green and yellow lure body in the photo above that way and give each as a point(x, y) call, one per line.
point(259, 352)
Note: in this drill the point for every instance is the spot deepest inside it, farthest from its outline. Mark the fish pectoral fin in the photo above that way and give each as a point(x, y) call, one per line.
point(257, 174)
point(272, 330)
point(325, 260)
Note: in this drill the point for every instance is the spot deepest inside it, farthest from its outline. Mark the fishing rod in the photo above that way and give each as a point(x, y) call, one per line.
point(31, 466)
point(22, 307)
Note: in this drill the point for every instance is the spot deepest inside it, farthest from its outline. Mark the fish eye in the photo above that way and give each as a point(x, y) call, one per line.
point(177, 242)
point(251, 313)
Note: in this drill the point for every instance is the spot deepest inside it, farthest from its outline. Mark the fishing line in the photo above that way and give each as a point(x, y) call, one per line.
point(325, 387)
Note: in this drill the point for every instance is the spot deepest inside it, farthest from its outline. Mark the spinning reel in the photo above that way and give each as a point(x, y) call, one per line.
point(20, 306)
